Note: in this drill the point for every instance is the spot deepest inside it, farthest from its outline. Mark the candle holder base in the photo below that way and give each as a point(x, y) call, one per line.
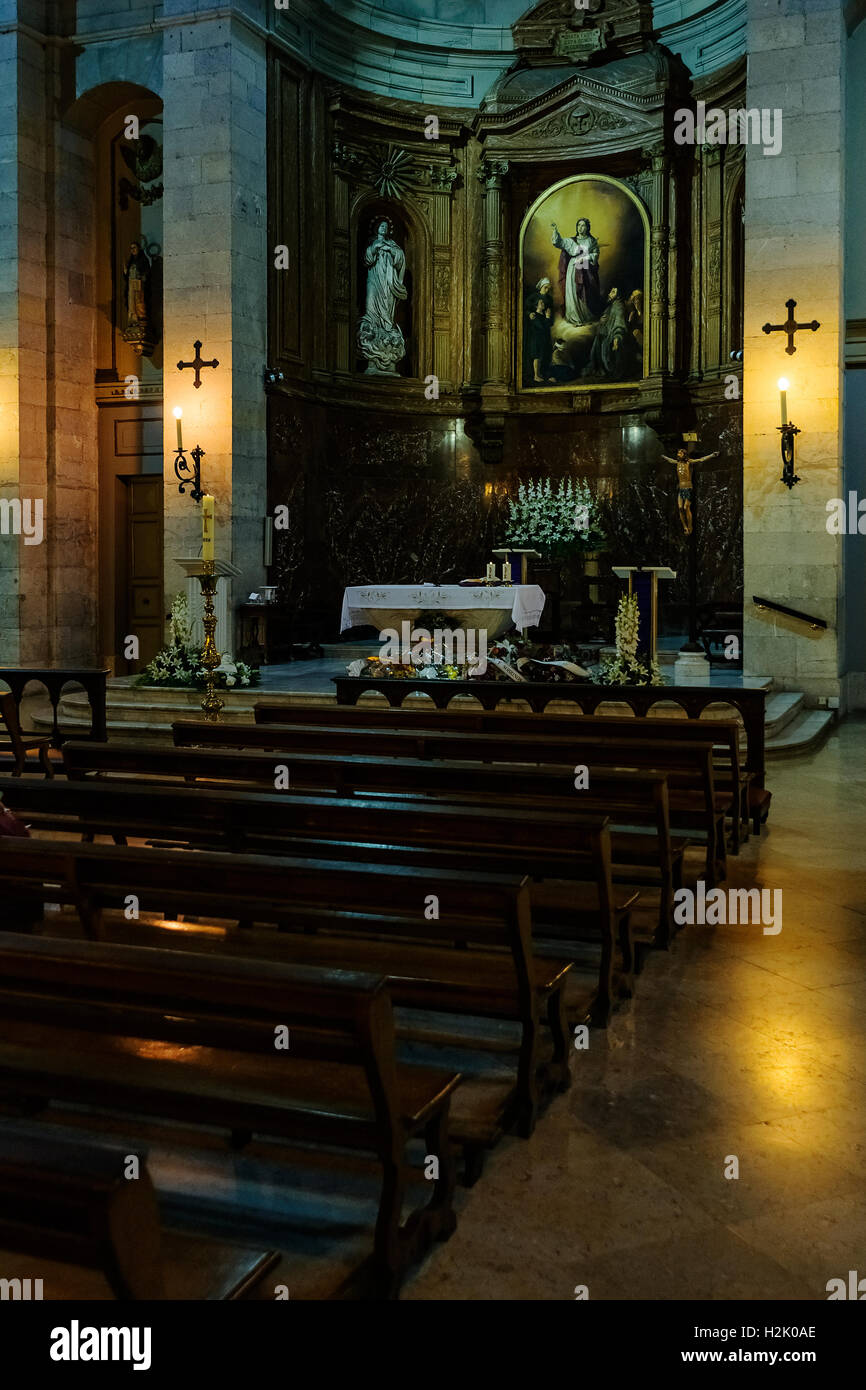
point(212, 706)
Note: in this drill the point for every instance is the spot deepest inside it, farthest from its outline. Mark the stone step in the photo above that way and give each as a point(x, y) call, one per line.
point(782, 709)
point(126, 713)
point(805, 733)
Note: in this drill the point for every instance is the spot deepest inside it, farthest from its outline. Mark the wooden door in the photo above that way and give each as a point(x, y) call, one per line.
point(144, 615)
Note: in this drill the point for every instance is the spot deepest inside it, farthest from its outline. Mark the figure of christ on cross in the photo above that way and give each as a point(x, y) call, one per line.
point(683, 464)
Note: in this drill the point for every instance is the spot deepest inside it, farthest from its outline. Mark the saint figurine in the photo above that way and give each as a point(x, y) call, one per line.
point(379, 338)
point(136, 277)
point(578, 274)
point(685, 487)
point(538, 346)
point(611, 355)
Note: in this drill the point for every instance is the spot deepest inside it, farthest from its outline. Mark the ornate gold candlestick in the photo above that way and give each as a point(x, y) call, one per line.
point(211, 703)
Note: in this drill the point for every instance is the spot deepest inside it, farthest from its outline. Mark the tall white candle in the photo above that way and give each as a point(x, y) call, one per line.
point(207, 527)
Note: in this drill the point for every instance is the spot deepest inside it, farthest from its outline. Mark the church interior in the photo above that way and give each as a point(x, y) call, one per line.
point(430, 540)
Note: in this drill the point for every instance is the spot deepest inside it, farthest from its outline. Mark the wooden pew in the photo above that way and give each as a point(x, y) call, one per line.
point(695, 802)
point(475, 960)
point(630, 798)
point(750, 704)
point(20, 744)
point(69, 1009)
point(428, 835)
point(66, 1199)
point(724, 733)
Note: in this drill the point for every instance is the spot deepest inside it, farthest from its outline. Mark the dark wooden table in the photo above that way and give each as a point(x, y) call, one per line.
point(255, 632)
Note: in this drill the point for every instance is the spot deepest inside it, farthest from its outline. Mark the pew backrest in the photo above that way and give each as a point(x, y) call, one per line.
point(66, 1199)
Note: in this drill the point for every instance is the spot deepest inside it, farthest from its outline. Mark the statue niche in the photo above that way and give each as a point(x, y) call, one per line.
point(137, 275)
point(384, 282)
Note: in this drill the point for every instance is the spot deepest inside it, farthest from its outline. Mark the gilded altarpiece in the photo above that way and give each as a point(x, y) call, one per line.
point(589, 96)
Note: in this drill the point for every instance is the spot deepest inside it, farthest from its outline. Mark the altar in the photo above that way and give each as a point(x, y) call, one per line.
point(489, 607)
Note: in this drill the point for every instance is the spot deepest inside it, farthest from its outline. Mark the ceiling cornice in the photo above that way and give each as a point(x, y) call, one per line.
point(444, 64)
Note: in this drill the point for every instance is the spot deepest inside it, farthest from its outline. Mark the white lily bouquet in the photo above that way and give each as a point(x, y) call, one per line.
point(559, 519)
point(179, 665)
point(624, 668)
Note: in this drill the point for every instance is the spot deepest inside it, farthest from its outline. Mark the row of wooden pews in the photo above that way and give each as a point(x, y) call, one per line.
point(70, 1013)
point(495, 882)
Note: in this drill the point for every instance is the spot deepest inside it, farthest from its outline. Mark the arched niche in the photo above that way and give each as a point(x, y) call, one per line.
point(116, 128)
point(412, 316)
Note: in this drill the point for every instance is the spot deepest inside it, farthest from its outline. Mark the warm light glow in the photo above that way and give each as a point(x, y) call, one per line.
point(783, 383)
point(177, 412)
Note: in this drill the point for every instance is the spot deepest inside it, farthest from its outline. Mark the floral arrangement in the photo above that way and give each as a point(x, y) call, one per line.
point(624, 668)
point(408, 671)
point(179, 665)
point(508, 658)
point(558, 519)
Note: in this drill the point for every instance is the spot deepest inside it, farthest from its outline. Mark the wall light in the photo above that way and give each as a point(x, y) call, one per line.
point(787, 429)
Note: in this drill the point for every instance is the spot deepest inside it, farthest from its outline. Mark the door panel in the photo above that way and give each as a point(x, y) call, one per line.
point(144, 577)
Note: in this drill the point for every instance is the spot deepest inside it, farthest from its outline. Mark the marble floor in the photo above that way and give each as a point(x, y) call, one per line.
point(737, 1045)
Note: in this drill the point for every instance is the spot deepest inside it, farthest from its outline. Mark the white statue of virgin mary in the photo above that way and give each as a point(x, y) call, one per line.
point(379, 338)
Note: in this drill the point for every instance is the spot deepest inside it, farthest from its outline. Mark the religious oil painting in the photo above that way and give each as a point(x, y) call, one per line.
point(583, 268)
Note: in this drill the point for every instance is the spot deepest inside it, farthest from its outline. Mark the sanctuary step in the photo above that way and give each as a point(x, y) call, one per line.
point(807, 730)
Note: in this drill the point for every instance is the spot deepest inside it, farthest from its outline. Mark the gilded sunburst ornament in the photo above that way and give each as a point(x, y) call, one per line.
point(392, 173)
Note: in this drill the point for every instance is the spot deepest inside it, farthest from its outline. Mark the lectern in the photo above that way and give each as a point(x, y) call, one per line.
point(516, 560)
point(643, 583)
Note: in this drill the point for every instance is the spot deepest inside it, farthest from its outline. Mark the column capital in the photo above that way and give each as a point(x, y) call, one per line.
point(491, 172)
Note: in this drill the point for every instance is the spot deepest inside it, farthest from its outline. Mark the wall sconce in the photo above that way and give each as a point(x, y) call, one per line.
point(183, 471)
point(787, 429)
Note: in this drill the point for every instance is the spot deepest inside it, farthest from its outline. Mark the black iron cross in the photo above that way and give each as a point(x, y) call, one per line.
point(790, 326)
point(198, 362)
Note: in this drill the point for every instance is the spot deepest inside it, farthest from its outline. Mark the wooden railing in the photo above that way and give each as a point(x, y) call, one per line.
point(693, 700)
point(55, 681)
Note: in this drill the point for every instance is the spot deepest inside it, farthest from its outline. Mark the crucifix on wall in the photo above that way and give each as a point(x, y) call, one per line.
point(685, 479)
point(790, 326)
point(198, 362)
point(683, 463)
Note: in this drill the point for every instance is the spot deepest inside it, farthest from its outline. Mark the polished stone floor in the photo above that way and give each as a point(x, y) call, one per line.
point(737, 1045)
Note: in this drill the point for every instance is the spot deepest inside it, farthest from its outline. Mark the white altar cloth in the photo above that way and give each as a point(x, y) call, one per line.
point(492, 607)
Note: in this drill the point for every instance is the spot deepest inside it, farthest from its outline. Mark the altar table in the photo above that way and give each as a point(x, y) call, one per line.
point(493, 607)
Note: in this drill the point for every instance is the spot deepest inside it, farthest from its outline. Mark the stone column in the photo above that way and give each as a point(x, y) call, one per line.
point(216, 267)
point(442, 179)
point(491, 174)
point(47, 415)
point(713, 205)
point(25, 161)
point(658, 359)
point(10, 179)
point(341, 349)
point(794, 249)
point(673, 266)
